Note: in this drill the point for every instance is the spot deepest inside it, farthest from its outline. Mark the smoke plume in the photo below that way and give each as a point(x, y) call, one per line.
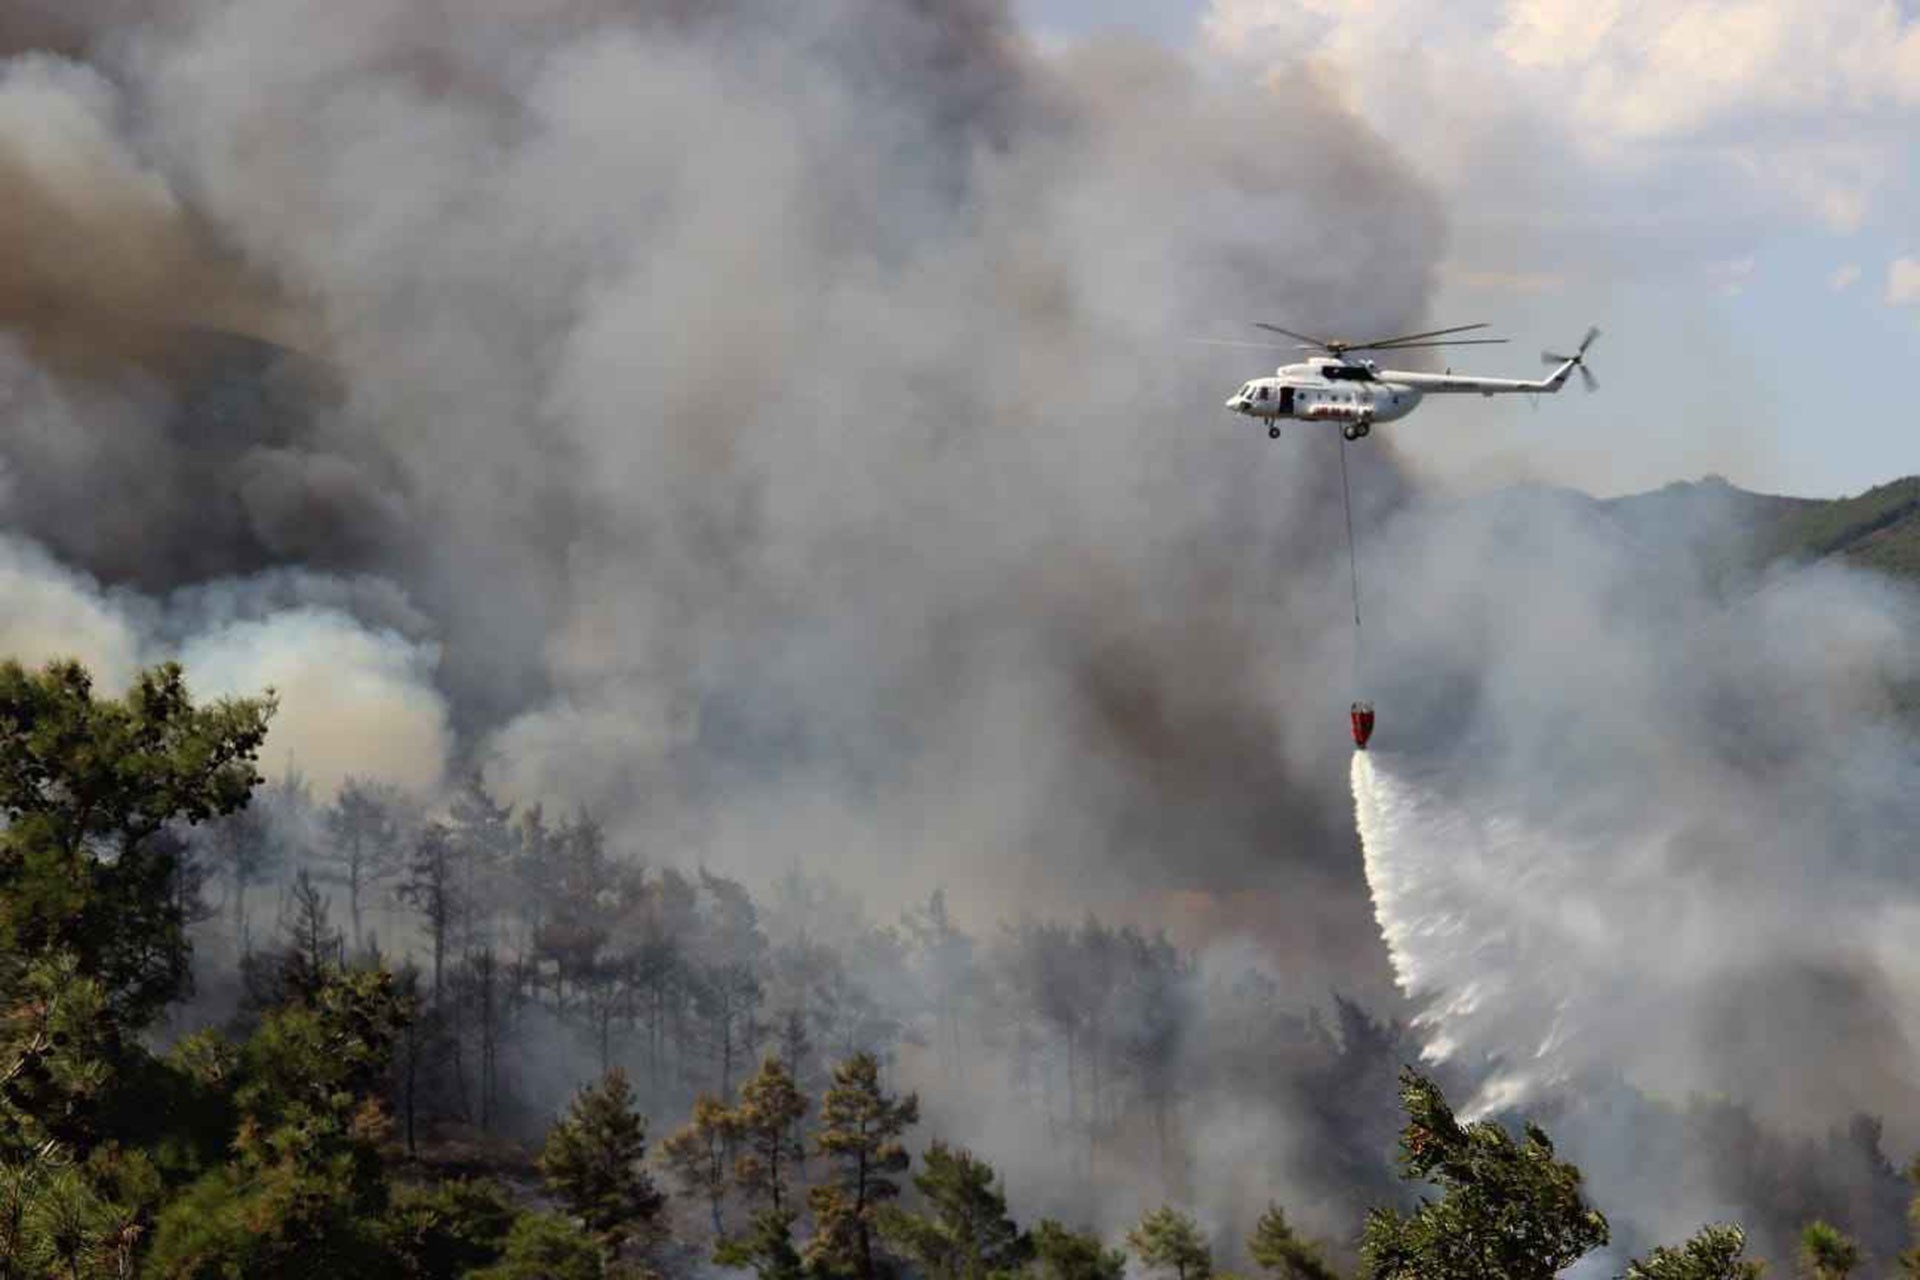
point(1639, 819)
point(768, 429)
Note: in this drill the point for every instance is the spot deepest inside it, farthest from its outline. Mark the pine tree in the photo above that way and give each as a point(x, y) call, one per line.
point(429, 888)
point(1276, 1249)
point(1827, 1253)
point(312, 943)
point(1061, 1253)
point(860, 1128)
point(964, 1233)
point(592, 1161)
point(1510, 1209)
point(92, 937)
point(1168, 1240)
point(767, 1248)
point(363, 831)
point(700, 1155)
point(544, 1246)
point(1712, 1254)
point(770, 1105)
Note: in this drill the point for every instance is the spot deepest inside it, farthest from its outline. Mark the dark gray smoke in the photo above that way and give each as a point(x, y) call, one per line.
point(771, 413)
point(768, 428)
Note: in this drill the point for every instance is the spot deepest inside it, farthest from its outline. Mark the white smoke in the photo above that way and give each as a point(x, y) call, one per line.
point(1639, 828)
point(354, 699)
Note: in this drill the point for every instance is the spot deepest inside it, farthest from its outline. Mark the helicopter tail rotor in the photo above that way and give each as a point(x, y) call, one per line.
point(1578, 359)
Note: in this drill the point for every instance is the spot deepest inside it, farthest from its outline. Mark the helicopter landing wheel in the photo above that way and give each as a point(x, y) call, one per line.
point(1351, 433)
point(1273, 433)
point(1362, 430)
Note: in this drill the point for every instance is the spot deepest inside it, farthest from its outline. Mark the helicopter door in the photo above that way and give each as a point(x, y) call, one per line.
point(1286, 402)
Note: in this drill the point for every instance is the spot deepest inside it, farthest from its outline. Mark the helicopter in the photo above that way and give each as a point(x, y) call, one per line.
point(1355, 392)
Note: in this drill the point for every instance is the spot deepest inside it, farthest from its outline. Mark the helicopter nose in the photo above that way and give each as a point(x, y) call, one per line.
point(1234, 403)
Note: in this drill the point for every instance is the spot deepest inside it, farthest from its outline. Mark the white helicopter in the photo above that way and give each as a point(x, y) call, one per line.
point(1356, 393)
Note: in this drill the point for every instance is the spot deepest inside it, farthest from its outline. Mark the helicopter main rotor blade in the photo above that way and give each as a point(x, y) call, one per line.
point(1274, 328)
point(1380, 343)
point(1229, 342)
point(1449, 342)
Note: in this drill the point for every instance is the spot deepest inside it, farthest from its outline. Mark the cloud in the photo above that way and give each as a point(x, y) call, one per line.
point(1844, 278)
point(1903, 282)
point(1730, 278)
point(1522, 282)
point(1764, 106)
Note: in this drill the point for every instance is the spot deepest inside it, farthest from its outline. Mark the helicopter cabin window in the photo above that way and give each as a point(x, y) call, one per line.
point(1263, 393)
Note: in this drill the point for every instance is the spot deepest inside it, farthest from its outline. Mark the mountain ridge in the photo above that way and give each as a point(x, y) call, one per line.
point(1878, 528)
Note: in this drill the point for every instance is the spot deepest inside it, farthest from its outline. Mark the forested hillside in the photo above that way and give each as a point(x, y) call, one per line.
point(1877, 529)
point(373, 1086)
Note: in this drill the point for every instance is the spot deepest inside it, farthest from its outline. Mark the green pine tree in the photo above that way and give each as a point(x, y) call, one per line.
point(1827, 1253)
point(699, 1155)
point(304, 1193)
point(1168, 1240)
point(1276, 1249)
point(92, 927)
point(545, 1246)
point(1712, 1254)
point(964, 1232)
point(859, 1134)
point(1510, 1208)
point(89, 785)
point(767, 1248)
point(1061, 1253)
point(770, 1107)
point(593, 1162)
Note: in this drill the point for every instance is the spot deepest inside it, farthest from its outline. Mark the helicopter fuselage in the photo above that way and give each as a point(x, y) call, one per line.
point(1356, 393)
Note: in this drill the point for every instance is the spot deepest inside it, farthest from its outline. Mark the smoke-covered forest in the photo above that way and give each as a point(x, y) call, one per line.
point(801, 736)
point(251, 1031)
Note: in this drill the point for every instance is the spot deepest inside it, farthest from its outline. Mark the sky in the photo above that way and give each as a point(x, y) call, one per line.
point(1726, 187)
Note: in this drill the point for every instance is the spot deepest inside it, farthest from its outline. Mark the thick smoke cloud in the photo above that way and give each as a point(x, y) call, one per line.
point(354, 699)
point(799, 472)
point(769, 429)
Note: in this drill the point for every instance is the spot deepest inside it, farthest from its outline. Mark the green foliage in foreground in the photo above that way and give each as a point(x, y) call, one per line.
point(1826, 1253)
point(766, 1249)
point(1510, 1209)
point(544, 1246)
point(1170, 1241)
point(1061, 1253)
point(964, 1233)
point(87, 787)
point(1713, 1254)
point(593, 1161)
point(1281, 1253)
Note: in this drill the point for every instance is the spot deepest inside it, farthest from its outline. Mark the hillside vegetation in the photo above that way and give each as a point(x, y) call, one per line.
point(1877, 529)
